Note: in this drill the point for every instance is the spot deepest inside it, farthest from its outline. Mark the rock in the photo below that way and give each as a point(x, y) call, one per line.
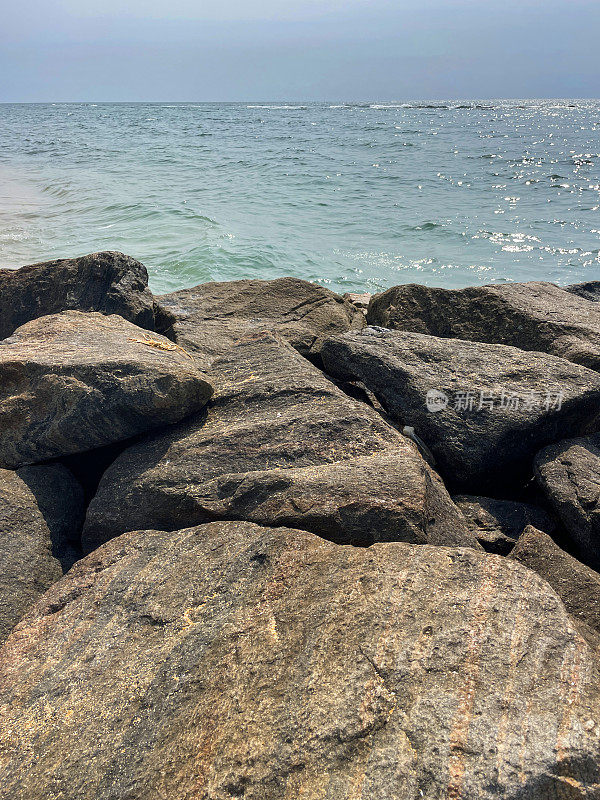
point(212, 316)
point(231, 661)
point(589, 290)
point(577, 586)
point(72, 382)
point(359, 300)
point(111, 283)
point(497, 524)
point(279, 444)
point(531, 316)
point(569, 474)
point(487, 449)
point(41, 511)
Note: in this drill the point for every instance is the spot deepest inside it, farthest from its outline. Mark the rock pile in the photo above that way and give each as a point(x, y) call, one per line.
point(323, 547)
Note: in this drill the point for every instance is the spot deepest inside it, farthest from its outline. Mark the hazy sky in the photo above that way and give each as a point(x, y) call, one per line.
point(102, 50)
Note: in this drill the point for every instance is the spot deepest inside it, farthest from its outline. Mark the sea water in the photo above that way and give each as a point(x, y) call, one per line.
point(356, 196)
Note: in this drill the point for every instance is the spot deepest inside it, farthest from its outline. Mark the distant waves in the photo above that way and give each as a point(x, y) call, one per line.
point(355, 195)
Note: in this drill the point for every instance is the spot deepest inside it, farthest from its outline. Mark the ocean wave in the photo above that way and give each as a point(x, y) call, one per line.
point(296, 193)
point(280, 108)
point(57, 190)
point(351, 105)
point(426, 226)
point(434, 106)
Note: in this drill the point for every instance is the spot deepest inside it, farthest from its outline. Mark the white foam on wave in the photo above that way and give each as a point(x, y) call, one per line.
point(278, 108)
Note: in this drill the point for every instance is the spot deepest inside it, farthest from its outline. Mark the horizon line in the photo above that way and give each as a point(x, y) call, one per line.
point(295, 100)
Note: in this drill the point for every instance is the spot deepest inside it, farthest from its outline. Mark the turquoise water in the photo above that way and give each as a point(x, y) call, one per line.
point(356, 196)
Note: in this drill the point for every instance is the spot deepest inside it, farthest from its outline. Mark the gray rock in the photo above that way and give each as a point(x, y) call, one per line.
point(569, 474)
point(232, 661)
point(41, 512)
point(488, 448)
point(72, 382)
point(497, 524)
point(279, 444)
point(531, 316)
point(589, 290)
point(212, 316)
point(111, 283)
point(577, 585)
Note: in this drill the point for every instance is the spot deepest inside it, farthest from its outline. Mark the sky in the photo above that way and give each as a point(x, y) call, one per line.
point(246, 50)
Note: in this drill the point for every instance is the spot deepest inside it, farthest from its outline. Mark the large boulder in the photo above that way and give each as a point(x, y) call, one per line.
point(72, 382)
point(210, 317)
point(483, 410)
point(569, 474)
point(230, 661)
point(498, 524)
point(530, 316)
point(111, 283)
point(41, 512)
point(279, 444)
point(577, 585)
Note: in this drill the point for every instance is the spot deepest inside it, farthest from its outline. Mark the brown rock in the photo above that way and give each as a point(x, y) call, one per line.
point(531, 316)
point(111, 283)
point(72, 382)
point(569, 474)
point(41, 511)
point(577, 586)
point(497, 524)
point(234, 661)
point(279, 444)
point(212, 316)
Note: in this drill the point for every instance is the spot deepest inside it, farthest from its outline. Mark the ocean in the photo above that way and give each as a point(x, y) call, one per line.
point(356, 196)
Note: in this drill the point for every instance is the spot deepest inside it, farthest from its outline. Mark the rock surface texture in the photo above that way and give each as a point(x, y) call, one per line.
point(530, 316)
point(111, 283)
point(212, 316)
point(279, 444)
point(577, 586)
point(569, 474)
point(231, 661)
point(487, 447)
point(497, 524)
point(41, 511)
point(589, 290)
point(71, 382)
